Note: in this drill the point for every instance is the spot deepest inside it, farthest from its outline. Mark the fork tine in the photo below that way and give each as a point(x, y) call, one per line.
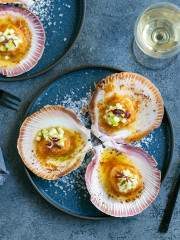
point(12, 96)
point(10, 100)
point(2, 103)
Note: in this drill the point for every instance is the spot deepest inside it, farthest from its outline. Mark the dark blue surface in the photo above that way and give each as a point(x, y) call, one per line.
point(61, 27)
point(69, 193)
point(106, 39)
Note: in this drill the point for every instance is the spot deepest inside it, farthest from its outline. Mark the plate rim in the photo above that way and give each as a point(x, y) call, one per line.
point(69, 71)
point(60, 59)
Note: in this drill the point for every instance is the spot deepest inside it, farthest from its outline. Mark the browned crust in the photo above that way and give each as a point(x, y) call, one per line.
point(92, 105)
point(44, 172)
point(147, 82)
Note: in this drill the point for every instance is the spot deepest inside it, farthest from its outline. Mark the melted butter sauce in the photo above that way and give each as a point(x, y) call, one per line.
point(111, 164)
point(22, 31)
point(127, 103)
point(72, 145)
point(109, 87)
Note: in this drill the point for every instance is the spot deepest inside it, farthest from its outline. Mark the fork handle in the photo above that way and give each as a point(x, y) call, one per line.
point(172, 196)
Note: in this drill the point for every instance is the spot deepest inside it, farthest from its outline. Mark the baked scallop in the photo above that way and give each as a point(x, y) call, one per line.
point(125, 107)
point(52, 142)
point(122, 180)
point(22, 40)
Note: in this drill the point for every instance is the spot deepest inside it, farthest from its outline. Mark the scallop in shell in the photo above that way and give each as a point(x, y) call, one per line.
point(52, 142)
point(22, 40)
point(125, 107)
point(122, 180)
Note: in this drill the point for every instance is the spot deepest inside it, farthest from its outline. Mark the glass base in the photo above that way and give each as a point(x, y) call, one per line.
point(150, 62)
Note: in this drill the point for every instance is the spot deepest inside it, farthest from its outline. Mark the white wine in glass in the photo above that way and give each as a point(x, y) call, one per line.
point(157, 35)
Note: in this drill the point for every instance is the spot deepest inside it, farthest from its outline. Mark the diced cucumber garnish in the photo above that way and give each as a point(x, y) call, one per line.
point(10, 45)
point(60, 143)
point(45, 133)
point(53, 132)
point(112, 119)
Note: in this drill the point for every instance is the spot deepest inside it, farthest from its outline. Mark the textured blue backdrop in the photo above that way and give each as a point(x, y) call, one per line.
point(106, 39)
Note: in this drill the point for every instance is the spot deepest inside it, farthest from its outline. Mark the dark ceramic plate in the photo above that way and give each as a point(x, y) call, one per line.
point(62, 21)
point(72, 89)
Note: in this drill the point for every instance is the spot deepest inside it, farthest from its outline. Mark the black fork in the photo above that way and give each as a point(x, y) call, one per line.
point(9, 100)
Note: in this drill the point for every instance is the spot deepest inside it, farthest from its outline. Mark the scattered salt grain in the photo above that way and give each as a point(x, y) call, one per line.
point(73, 182)
point(66, 5)
point(78, 106)
point(145, 141)
point(44, 9)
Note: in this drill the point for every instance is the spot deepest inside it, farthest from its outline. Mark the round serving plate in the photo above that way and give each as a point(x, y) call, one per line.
point(62, 21)
point(73, 90)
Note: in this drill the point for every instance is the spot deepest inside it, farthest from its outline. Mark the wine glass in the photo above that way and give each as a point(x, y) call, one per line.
point(157, 35)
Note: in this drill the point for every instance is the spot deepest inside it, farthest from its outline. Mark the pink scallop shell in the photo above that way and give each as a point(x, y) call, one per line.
point(37, 45)
point(148, 168)
point(48, 116)
point(150, 113)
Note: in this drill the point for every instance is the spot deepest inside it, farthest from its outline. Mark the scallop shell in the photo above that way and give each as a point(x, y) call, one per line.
point(47, 117)
point(151, 107)
point(151, 177)
point(37, 43)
